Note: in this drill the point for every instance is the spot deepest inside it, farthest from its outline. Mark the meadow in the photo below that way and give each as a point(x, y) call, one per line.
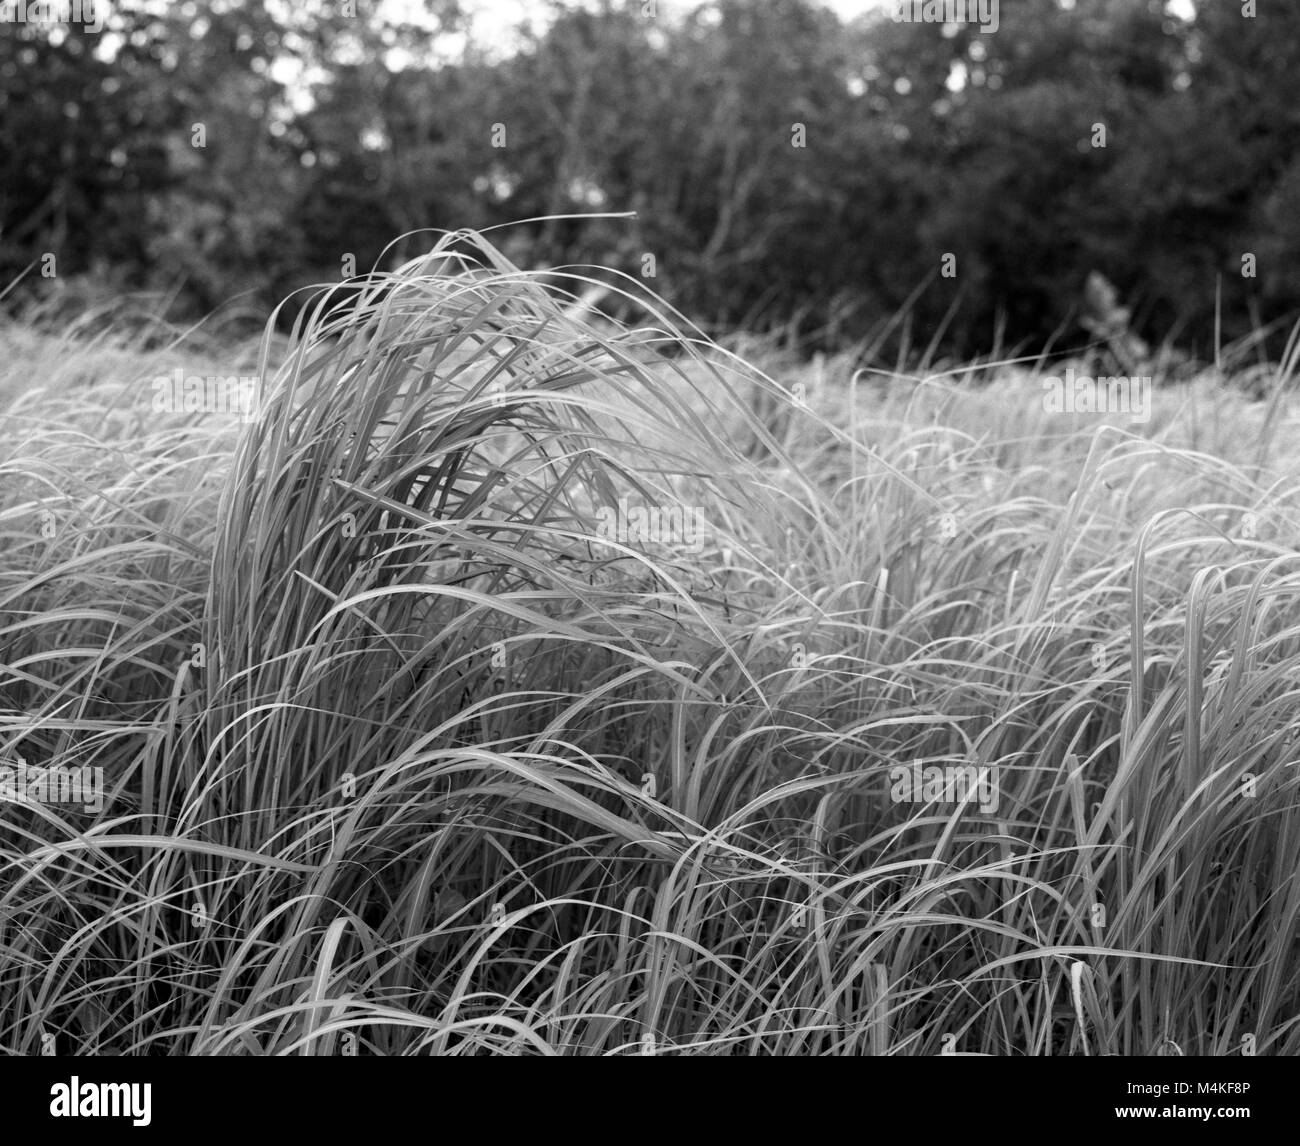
point(506, 682)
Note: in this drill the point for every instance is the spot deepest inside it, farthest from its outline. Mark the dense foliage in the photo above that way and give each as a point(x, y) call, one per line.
point(248, 148)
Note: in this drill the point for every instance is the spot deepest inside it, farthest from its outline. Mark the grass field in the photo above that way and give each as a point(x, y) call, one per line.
point(499, 686)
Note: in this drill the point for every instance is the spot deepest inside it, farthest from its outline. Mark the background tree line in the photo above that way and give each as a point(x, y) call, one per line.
point(787, 169)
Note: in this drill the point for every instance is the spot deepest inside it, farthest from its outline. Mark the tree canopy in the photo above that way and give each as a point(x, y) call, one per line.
point(786, 168)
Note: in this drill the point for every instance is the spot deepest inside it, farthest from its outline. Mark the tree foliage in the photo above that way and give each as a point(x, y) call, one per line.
point(786, 169)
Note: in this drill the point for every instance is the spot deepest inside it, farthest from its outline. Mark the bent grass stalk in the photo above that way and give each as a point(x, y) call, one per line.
point(404, 757)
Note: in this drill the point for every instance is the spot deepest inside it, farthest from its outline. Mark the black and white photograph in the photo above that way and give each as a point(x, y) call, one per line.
point(649, 528)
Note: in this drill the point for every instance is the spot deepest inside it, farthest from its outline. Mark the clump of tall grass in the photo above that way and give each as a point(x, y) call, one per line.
point(407, 754)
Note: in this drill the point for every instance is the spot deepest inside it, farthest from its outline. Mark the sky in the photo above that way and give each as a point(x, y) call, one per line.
point(494, 22)
point(496, 17)
point(500, 15)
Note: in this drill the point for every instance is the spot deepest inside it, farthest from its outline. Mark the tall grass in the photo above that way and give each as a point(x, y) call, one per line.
point(406, 755)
